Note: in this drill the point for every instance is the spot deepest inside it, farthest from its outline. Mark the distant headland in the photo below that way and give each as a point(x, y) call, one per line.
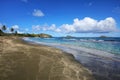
point(102, 36)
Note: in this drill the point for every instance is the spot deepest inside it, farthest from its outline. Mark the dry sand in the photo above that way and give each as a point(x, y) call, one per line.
point(24, 61)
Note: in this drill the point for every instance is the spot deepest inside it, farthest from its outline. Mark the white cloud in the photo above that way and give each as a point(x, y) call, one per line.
point(86, 25)
point(90, 25)
point(52, 27)
point(36, 27)
point(16, 27)
point(38, 13)
point(44, 27)
point(20, 32)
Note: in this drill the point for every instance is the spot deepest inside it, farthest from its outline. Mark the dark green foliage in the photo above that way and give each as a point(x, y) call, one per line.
point(1, 32)
point(44, 35)
point(15, 33)
point(68, 36)
point(102, 36)
point(4, 28)
point(12, 29)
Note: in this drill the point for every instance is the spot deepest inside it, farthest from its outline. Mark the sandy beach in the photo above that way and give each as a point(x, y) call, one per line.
point(20, 60)
point(102, 64)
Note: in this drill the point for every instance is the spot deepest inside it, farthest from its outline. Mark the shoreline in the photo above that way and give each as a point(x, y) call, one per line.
point(101, 54)
point(103, 65)
point(38, 62)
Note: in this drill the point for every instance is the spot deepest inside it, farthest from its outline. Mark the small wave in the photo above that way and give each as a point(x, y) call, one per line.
point(49, 38)
point(100, 40)
point(28, 39)
point(83, 40)
point(70, 39)
point(91, 40)
point(25, 38)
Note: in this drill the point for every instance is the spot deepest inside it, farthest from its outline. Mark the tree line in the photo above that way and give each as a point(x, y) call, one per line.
point(15, 33)
point(4, 28)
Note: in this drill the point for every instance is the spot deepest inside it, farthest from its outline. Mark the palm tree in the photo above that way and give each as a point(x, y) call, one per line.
point(4, 28)
point(12, 30)
point(16, 32)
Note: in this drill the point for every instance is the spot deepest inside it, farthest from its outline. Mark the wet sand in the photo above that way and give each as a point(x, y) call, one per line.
point(103, 65)
point(25, 61)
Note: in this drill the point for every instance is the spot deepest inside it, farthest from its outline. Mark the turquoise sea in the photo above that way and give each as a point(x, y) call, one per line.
point(100, 55)
point(111, 45)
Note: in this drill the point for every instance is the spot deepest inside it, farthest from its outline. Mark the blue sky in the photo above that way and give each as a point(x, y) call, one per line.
point(82, 18)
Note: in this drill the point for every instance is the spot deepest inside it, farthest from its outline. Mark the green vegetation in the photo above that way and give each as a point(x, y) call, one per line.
point(68, 36)
point(15, 33)
point(44, 35)
point(1, 32)
point(102, 36)
point(12, 30)
point(4, 28)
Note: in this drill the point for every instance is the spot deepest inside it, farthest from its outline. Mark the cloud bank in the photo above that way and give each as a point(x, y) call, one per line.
point(16, 27)
point(86, 25)
point(90, 25)
point(38, 13)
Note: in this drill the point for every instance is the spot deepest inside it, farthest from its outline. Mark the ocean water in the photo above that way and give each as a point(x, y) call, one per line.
point(100, 55)
point(111, 45)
